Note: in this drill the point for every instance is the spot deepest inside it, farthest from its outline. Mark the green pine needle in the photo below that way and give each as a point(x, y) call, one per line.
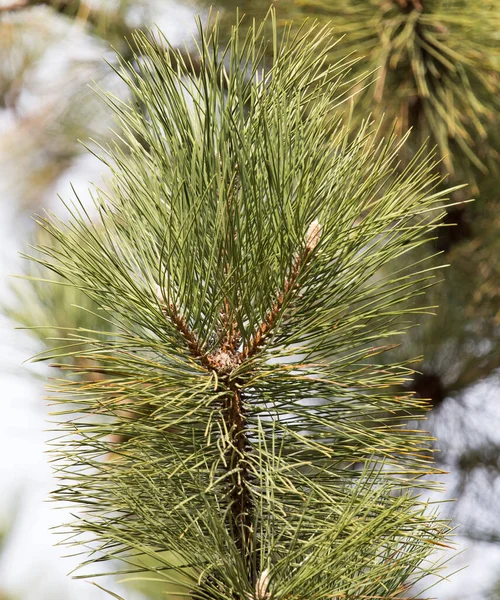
point(435, 68)
point(228, 427)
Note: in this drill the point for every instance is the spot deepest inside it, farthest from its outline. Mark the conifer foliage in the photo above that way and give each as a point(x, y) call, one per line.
point(435, 70)
point(228, 427)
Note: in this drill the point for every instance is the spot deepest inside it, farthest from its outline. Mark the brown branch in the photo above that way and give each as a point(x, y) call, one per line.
point(73, 8)
point(259, 336)
point(240, 493)
point(409, 5)
point(109, 25)
point(190, 337)
point(194, 346)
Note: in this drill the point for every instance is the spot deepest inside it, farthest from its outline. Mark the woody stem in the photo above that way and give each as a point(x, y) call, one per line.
point(269, 321)
point(240, 496)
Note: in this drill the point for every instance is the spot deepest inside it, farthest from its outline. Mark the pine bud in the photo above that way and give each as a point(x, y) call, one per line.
point(261, 586)
point(313, 235)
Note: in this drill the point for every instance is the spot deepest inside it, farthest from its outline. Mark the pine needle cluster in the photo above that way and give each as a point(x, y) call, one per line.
point(228, 426)
point(435, 68)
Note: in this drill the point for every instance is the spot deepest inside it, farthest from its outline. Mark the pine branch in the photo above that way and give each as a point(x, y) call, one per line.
point(223, 361)
point(435, 73)
point(182, 327)
point(229, 453)
point(289, 286)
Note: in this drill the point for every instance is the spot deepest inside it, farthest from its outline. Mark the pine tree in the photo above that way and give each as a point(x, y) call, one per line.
point(228, 424)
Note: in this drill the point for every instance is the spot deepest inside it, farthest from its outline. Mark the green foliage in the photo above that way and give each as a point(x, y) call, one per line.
point(435, 65)
point(460, 345)
point(230, 421)
point(49, 307)
point(434, 68)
